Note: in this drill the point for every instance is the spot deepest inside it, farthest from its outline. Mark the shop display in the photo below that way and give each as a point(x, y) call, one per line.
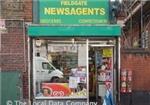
point(79, 72)
point(64, 75)
point(108, 76)
point(82, 93)
point(102, 76)
point(70, 77)
point(55, 89)
point(101, 72)
point(107, 52)
point(129, 83)
point(102, 90)
point(126, 81)
point(105, 70)
point(123, 87)
point(78, 82)
point(61, 90)
point(73, 82)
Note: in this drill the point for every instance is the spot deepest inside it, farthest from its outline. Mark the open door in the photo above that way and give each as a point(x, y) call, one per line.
point(101, 60)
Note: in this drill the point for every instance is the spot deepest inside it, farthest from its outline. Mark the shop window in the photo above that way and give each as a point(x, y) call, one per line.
point(63, 73)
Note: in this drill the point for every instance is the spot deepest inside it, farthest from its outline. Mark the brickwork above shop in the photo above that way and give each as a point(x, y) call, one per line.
point(16, 9)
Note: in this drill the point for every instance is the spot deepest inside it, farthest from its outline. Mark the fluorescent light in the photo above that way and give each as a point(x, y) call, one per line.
point(112, 0)
point(120, 1)
point(116, 0)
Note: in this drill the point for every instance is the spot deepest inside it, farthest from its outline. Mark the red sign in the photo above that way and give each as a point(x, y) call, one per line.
point(55, 89)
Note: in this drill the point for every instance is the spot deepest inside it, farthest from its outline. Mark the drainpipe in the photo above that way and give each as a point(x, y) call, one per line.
point(142, 34)
point(118, 69)
point(29, 70)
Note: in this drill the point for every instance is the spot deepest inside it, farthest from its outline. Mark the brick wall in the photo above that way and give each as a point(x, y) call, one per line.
point(16, 9)
point(28, 10)
point(140, 65)
point(138, 62)
point(12, 54)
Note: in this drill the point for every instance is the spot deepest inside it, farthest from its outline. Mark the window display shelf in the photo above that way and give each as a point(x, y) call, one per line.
point(61, 97)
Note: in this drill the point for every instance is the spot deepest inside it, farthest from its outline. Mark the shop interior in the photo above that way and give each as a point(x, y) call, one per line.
point(86, 67)
point(100, 72)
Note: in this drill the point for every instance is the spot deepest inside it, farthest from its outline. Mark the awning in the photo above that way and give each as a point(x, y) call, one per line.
point(74, 31)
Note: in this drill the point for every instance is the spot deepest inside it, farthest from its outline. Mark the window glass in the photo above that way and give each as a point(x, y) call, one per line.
point(63, 72)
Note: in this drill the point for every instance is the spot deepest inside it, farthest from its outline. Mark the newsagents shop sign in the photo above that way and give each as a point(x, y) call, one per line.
point(73, 11)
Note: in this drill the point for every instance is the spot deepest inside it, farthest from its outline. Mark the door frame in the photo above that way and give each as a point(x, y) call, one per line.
point(113, 46)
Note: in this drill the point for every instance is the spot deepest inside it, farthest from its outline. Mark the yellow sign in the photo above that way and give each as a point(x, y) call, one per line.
point(74, 11)
point(107, 52)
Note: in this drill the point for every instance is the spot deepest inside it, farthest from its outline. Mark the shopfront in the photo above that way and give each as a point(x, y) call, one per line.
point(73, 51)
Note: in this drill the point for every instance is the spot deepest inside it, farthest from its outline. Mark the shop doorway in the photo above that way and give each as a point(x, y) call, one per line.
point(101, 59)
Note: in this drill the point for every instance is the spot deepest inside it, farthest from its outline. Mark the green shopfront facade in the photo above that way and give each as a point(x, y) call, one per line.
point(73, 38)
